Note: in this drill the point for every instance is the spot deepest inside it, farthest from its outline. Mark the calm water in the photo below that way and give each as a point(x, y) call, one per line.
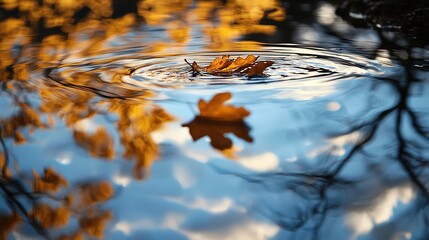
point(99, 137)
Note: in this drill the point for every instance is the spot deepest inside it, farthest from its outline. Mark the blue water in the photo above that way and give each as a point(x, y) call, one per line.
point(335, 146)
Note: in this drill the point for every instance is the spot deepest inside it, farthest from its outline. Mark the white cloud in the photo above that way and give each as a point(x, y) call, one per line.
point(262, 162)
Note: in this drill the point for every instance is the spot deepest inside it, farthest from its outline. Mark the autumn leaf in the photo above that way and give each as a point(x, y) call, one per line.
point(225, 66)
point(216, 131)
point(217, 110)
point(217, 119)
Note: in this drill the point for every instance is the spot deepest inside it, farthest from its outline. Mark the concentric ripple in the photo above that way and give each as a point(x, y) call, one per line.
point(298, 72)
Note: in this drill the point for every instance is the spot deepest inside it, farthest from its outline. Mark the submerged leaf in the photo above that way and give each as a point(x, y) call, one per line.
point(217, 110)
point(216, 119)
point(226, 67)
point(217, 131)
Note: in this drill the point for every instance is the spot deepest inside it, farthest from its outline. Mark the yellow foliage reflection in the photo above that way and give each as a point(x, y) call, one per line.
point(40, 36)
point(221, 22)
point(83, 28)
point(69, 104)
point(50, 217)
point(158, 12)
point(96, 193)
point(237, 18)
point(26, 117)
point(94, 225)
point(137, 117)
point(50, 181)
point(8, 223)
point(136, 123)
point(99, 144)
point(55, 205)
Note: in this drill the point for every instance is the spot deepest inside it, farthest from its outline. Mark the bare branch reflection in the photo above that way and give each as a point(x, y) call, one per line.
point(46, 202)
point(318, 187)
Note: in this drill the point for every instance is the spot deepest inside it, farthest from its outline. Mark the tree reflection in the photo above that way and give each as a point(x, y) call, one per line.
point(83, 28)
point(80, 97)
point(135, 125)
point(46, 202)
point(326, 186)
point(44, 34)
point(40, 35)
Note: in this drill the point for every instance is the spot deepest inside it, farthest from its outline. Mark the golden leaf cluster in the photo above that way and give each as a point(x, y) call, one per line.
point(50, 217)
point(226, 67)
point(136, 123)
point(50, 181)
point(7, 223)
point(99, 144)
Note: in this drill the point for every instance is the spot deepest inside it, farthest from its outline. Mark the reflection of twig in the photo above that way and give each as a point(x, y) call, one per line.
point(5, 153)
point(416, 124)
point(97, 91)
point(189, 63)
point(403, 107)
point(12, 187)
point(14, 203)
point(316, 185)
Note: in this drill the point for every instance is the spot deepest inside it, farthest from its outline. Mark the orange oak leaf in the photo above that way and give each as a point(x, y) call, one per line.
point(216, 119)
point(217, 110)
point(217, 131)
point(225, 66)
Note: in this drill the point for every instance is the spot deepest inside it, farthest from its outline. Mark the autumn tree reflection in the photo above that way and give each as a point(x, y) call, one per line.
point(47, 202)
point(137, 117)
point(43, 43)
point(42, 34)
point(331, 185)
point(83, 99)
point(8, 223)
point(58, 30)
point(135, 125)
point(83, 28)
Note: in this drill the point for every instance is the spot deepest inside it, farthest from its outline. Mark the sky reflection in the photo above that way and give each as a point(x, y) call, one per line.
point(102, 137)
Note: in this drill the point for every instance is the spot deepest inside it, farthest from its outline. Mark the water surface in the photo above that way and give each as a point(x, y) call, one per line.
point(100, 138)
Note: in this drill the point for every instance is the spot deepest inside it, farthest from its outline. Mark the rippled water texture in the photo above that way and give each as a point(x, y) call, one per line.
point(102, 136)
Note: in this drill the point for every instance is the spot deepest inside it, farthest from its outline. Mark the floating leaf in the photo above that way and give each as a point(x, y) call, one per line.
point(217, 110)
point(225, 66)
